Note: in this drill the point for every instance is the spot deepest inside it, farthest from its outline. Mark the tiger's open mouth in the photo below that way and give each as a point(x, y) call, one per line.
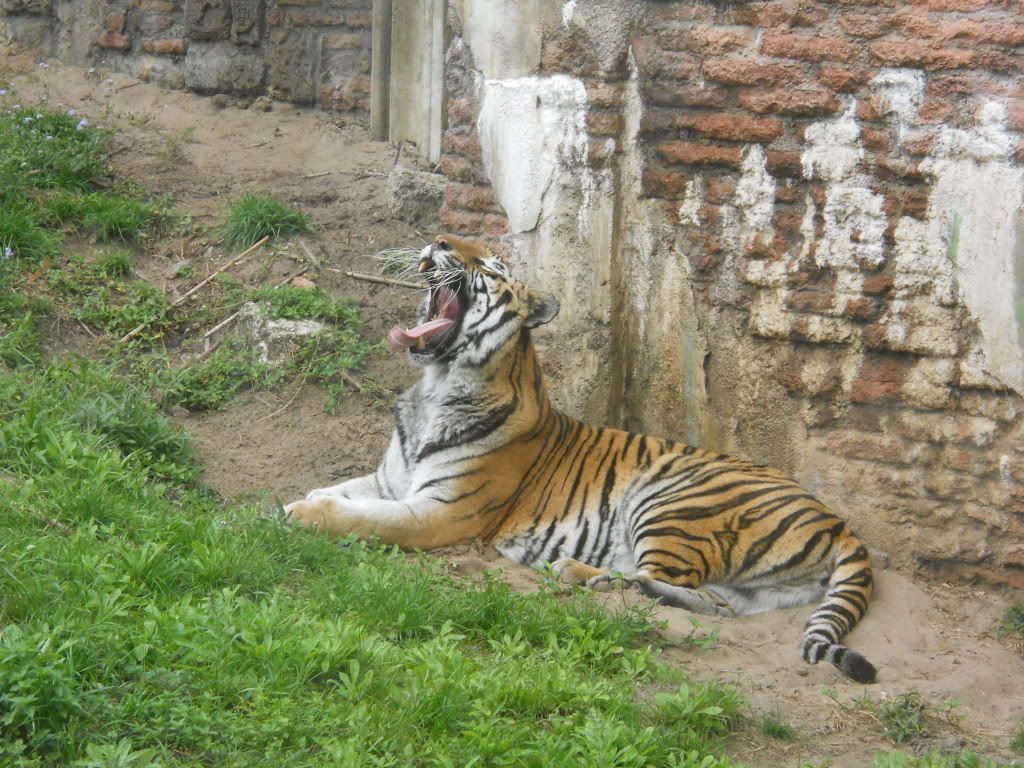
point(432, 336)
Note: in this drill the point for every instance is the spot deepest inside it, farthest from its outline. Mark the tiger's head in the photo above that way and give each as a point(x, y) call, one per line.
point(474, 308)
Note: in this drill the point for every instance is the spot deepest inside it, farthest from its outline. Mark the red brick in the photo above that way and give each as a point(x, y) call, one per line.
point(905, 54)
point(666, 94)
point(114, 40)
point(733, 127)
point(706, 41)
point(114, 22)
point(690, 153)
point(358, 20)
point(471, 198)
point(461, 222)
point(918, 144)
point(997, 61)
point(467, 146)
point(879, 379)
point(671, 184)
point(810, 48)
point(781, 163)
point(311, 18)
point(345, 40)
point(843, 79)
point(458, 111)
point(876, 141)
point(877, 285)
point(604, 123)
point(915, 25)
point(789, 101)
point(174, 46)
point(747, 71)
point(935, 111)
point(865, 24)
point(655, 62)
point(811, 301)
point(458, 169)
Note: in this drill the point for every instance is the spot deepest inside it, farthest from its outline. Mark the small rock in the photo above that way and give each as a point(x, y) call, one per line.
point(220, 100)
point(415, 197)
point(178, 269)
point(953, 743)
point(274, 340)
point(243, 103)
point(302, 282)
point(263, 104)
point(803, 672)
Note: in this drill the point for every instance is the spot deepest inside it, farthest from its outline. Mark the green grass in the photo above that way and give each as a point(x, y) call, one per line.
point(104, 296)
point(143, 622)
point(936, 759)
point(774, 727)
point(50, 150)
point(213, 382)
point(107, 215)
point(1015, 617)
point(253, 217)
point(903, 717)
point(1017, 740)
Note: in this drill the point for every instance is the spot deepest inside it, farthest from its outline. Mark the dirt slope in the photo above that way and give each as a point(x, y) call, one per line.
point(941, 641)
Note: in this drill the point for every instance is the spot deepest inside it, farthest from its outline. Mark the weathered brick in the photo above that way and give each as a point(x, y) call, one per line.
point(660, 183)
point(690, 153)
point(807, 47)
point(789, 101)
point(660, 93)
point(733, 127)
point(471, 198)
point(843, 79)
point(158, 6)
point(865, 24)
point(114, 22)
point(706, 41)
point(346, 40)
point(171, 46)
point(879, 379)
point(912, 54)
point(604, 123)
point(957, 6)
point(747, 71)
point(114, 41)
point(655, 62)
point(871, 447)
point(358, 20)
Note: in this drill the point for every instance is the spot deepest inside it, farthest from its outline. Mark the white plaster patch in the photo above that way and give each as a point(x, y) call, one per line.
point(693, 199)
point(853, 217)
point(900, 91)
point(967, 244)
point(568, 9)
point(530, 128)
point(749, 214)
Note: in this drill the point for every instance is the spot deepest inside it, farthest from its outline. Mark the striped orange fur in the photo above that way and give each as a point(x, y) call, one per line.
point(479, 452)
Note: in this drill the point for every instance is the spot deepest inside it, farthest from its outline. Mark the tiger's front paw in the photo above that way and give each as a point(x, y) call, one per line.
point(320, 514)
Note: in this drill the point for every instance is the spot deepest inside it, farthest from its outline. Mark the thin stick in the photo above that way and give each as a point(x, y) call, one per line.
point(184, 297)
point(126, 87)
point(376, 279)
point(87, 329)
point(231, 318)
point(317, 175)
point(348, 377)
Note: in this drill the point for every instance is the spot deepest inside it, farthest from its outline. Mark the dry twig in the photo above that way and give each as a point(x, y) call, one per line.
point(376, 279)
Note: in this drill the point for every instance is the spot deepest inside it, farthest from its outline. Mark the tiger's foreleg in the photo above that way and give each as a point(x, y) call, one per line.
point(571, 571)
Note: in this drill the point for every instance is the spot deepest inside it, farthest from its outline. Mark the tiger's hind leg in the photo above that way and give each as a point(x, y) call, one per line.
point(703, 600)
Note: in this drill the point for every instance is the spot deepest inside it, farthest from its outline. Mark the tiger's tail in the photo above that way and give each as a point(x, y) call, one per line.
point(845, 603)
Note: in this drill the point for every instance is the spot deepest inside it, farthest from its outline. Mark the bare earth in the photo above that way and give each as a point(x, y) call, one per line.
point(942, 641)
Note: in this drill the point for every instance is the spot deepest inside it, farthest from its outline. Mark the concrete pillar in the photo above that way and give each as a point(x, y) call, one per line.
point(380, 71)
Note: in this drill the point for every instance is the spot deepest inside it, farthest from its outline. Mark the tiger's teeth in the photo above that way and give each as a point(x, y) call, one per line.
point(420, 343)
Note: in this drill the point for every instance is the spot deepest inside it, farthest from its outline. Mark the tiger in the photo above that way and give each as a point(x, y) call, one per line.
point(480, 453)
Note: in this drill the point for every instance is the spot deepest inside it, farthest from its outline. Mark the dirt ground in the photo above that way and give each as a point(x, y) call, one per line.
point(939, 640)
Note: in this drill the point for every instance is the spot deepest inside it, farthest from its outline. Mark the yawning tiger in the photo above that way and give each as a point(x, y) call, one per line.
point(479, 452)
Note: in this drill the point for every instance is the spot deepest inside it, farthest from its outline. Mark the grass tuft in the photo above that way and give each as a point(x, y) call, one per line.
point(772, 726)
point(213, 382)
point(936, 759)
point(1015, 617)
point(1017, 740)
point(109, 216)
point(902, 717)
point(253, 217)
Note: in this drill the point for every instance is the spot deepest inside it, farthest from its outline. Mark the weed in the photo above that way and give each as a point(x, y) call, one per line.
point(703, 641)
point(1017, 740)
point(50, 150)
point(293, 303)
point(776, 729)
point(109, 300)
point(213, 382)
point(902, 717)
point(253, 217)
point(1015, 617)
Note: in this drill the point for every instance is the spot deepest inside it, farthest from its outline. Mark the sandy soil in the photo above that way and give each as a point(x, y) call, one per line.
point(939, 640)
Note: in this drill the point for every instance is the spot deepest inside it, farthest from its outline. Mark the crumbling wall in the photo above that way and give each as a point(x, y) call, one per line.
point(304, 51)
point(789, 229)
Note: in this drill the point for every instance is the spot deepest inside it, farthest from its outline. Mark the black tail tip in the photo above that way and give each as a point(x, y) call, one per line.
point(857, 668)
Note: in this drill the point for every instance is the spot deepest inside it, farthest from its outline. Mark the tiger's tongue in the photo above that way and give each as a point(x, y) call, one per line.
point(448, 307)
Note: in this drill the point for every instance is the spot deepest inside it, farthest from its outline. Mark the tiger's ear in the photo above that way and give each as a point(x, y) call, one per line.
point(541, 308)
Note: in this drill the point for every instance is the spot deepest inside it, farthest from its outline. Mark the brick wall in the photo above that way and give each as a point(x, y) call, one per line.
point(830, 172)
point(305, 51)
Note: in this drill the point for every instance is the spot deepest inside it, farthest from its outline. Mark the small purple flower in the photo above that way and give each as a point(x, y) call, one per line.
point(3, 91)
point(82, 124)
point(72, 113)
point(43, 65)
point(8, 253)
